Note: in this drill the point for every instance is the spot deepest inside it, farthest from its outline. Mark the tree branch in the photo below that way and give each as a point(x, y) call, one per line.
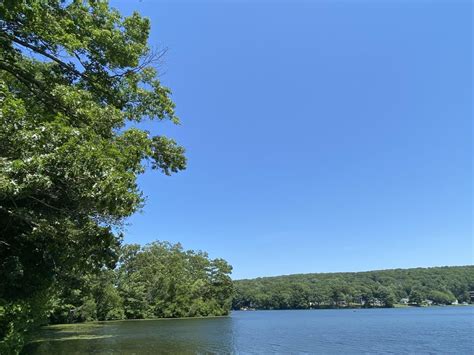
point(67, 66)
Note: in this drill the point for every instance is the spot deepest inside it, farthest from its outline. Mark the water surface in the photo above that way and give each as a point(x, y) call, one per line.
point(434, 330)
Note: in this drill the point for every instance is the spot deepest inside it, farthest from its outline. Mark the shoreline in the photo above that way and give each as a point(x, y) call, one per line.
point(396, 306)
point(98, 322)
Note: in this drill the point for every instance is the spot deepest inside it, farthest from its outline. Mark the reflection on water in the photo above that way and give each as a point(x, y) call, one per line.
point(401, 331)
point(138, 337)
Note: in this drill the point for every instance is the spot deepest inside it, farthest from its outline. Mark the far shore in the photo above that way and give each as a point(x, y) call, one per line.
point(397, 305)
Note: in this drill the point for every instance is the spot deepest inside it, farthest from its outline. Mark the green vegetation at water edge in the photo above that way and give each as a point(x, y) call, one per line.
point(385, 288)
point(154, 281)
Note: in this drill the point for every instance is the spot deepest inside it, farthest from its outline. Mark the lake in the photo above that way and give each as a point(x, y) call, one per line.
point(447, 330)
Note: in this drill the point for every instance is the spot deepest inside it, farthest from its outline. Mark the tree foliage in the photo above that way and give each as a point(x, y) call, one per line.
point(154, 281)
point(72, 75)
point(385, 288)
point(163, 280)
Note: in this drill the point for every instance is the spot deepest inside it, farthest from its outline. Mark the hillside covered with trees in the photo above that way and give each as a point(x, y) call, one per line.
point(384, 288)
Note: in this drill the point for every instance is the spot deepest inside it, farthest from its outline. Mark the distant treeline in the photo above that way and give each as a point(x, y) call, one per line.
point(385, 288)
point(157, 280)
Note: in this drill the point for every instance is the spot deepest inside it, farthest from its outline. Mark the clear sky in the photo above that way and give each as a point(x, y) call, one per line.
point(321, 135)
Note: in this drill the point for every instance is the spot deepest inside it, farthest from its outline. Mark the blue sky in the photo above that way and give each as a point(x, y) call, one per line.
point(321, 135)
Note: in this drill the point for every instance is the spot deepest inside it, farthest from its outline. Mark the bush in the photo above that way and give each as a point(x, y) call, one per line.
point(18, 318)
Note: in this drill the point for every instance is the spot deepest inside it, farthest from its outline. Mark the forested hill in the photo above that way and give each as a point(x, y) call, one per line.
point(383, 288)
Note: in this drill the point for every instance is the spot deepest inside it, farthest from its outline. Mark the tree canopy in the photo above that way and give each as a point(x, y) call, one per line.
point(74, 75)
point(154, 281)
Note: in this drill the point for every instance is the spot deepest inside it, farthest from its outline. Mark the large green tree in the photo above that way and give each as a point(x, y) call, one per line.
point(162, 280)
point(73, 74)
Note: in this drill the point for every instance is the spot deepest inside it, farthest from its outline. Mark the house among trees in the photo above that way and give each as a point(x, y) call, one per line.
point(377, 303)
point(404, 300)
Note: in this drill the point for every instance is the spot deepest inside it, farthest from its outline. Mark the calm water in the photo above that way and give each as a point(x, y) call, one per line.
point(435, 330)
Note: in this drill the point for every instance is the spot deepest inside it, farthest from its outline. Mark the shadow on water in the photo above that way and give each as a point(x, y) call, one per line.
point(138, 337)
